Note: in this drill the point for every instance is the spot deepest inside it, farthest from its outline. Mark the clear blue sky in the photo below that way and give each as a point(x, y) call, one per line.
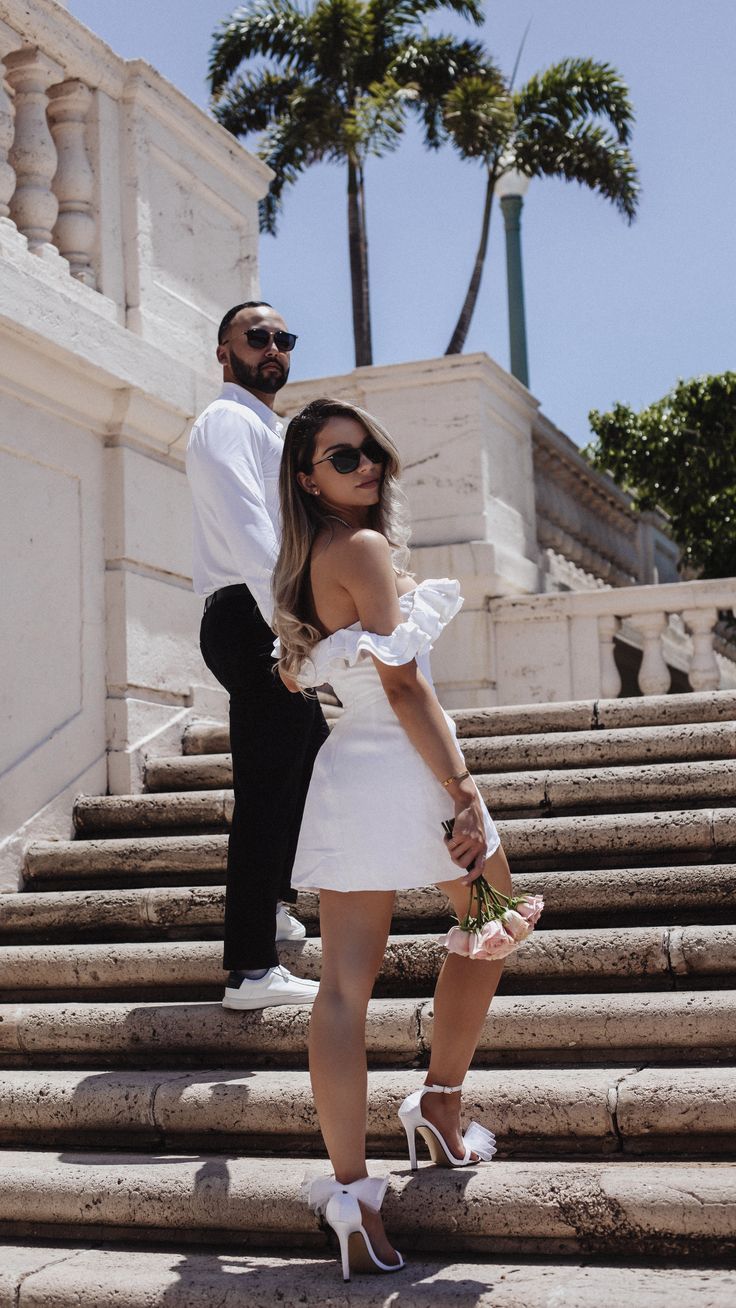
point(613, 312)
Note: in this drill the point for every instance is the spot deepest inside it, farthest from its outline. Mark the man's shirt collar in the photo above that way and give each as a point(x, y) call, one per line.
point(232, 391)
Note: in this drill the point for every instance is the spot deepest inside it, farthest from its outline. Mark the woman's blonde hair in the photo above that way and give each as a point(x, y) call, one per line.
point(303, 516)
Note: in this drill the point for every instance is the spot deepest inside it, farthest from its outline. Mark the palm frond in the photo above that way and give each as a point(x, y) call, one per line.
point(376, 121)
point(253, 101)
point(311, 128)
point(434, 65)
point(337, 36)
point(586, 154)
point(270, 28)
point(575, 89)
point(478, 115)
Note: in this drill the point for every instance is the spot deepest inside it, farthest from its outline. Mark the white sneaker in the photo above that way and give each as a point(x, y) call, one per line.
point(288, 927)
point(278, 986)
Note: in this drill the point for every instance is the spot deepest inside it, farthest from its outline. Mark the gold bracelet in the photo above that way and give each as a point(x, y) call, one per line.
point(460, 777)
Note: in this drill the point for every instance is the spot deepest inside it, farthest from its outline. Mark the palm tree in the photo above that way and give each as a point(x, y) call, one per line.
point(574, 121)
point(337, 86)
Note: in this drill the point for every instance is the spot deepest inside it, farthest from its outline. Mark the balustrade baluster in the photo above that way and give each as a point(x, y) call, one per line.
point(610, 677)
point(7, 131)
point(73, 183)
point(704, 673)
point(654, 675)
point(33, 207)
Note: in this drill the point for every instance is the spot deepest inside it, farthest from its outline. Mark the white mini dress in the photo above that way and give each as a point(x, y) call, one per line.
point(374, 811)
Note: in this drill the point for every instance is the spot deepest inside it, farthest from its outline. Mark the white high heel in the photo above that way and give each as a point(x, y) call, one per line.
point(341, 1209)
point(477, 1139)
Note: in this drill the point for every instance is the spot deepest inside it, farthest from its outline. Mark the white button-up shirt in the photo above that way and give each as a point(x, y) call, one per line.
point(233, 459)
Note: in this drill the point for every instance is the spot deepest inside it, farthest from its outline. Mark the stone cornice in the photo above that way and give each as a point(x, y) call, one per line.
point(365, 382)
point(53, 30)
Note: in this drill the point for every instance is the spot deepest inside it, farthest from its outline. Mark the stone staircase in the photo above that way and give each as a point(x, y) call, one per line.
point(152, 1145)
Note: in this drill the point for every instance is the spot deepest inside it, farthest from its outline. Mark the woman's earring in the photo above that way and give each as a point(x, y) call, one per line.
point(315, 492)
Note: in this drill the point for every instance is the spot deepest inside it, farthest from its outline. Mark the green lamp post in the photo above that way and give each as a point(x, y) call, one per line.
point(511, 187)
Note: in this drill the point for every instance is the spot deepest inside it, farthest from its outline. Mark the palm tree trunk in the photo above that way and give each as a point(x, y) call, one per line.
point(358, 243)
point(462, 326)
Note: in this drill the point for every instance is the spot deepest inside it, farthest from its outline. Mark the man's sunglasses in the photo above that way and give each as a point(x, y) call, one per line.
point(258, 338)
point(348, 459)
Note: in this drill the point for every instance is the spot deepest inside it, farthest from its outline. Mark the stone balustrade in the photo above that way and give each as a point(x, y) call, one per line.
point(119, 184)
point(588, 532)
point(569, 645)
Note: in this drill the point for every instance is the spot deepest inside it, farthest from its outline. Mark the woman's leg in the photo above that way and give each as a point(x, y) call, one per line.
point(354, 927)
point(462, 997)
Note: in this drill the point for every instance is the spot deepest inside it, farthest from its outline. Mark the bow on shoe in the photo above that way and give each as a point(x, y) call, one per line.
point(369, 1190)
point(478, 1140)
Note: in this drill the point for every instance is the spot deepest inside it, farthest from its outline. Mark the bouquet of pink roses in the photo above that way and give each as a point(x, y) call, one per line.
point(497, 926)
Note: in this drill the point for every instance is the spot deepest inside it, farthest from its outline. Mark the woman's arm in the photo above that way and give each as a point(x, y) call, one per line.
point(367, 574)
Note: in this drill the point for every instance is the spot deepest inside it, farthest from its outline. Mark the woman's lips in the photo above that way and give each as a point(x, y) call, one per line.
point(362, 485)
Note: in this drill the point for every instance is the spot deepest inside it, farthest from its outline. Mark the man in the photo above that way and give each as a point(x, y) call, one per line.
point(233, 459)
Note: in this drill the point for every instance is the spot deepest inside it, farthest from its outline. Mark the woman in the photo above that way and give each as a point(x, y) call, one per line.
point(348, 613)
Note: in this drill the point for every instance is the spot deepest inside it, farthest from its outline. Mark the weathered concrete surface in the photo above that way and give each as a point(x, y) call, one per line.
point(142, 856)
point(410, 964)
point(556, 1110)
point(587, 715)
point(178, 810)
point(655, 1102)
point(688, 828)
point(668, 784)
point(681, 1026)
point(670, 1023)
point(611, 838)
point(630, 1207)
point(522, 1106)
point(589, 895)
point(190, 772)
point(696, 741)
point(615, 837)
point(83, 912)
point(96, 1034)
point(70, 1277)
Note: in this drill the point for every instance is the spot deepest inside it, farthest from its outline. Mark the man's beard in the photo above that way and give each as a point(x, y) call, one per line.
point(255, 379)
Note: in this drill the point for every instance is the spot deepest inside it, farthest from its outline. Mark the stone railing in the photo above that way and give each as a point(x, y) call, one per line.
point(568, 646)
point(119, 185)
point(585, 520)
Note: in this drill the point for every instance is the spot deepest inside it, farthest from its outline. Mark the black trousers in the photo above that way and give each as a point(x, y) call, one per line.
point(274, 736)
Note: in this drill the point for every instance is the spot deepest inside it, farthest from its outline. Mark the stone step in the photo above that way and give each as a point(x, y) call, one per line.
point(610, 958)
point(663, 785)
point(524, 719)
point(70, 1276)
point(126, 860)
point(613, 840)
point(698, 741)
point(604, 1110)
point(700, 893)
point(598, 715)
point(621, 1206)
point(672, 1026)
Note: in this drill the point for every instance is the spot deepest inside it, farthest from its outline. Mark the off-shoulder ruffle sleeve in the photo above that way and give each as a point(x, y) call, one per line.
point(428, 608)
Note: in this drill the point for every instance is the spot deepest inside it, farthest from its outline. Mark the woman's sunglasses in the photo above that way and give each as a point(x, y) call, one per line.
point(258, 338)
point(348, 459)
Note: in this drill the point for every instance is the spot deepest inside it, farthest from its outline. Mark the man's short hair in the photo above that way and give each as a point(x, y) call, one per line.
point(247, 304)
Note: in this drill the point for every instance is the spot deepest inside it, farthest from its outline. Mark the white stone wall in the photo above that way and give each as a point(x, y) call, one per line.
point(128, 224)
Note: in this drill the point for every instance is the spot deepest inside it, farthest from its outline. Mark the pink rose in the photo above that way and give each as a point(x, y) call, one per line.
point(517, 925)
point(491, 942)
point(456, 941)
point(531, 908)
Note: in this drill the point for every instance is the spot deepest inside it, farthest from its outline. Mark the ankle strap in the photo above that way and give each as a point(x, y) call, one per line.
point(442, 1089)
